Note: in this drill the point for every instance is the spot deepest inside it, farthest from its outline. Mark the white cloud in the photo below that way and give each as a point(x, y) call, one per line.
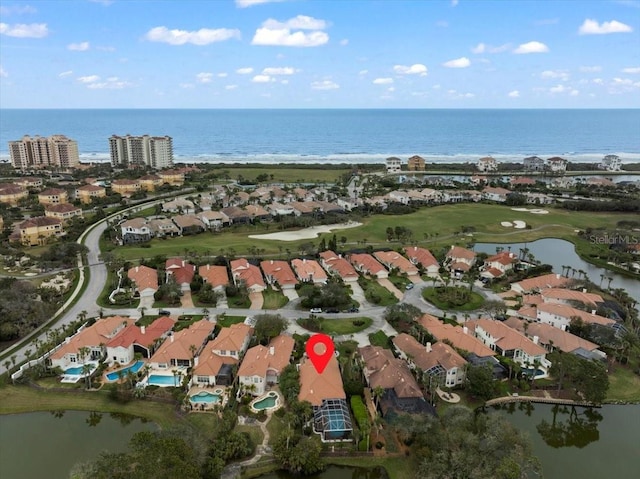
point(631, 70)
point(204, 36)
point(78, 47)
point(484, 48)
point(531, 47)
point(187, 85)
point(436, 87)
point(17, 10)
point(65, 74)
point(513, 94)
point(462, 62)
point(479, 48)
point(561, 74)
point(454, 3)
point(204, 77)
point(23, 30)
point(592, 27)
point(598, 81)
point(230, 87)
point(415, 69)
point(279, 71)
point(3, 72)
point(222, 75)
point(88, 79)
point(591, 69)
point(324, 85)
point(262, 79)
point(111, 83)
point(344, 42)
point(383, 81)
point(244, 71)
point(391, 89)
point(558, 89)
point(284, 82)
point(251, 3)
point(363, 72)
point(273, 32)
point(574, 92)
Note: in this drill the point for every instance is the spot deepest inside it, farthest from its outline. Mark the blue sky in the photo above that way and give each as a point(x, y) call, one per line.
point(320, 54)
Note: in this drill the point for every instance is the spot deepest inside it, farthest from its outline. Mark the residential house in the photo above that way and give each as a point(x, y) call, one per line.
point(135, 230)
point(338, 266)
point(571, 297)
point(395, 261)
point(142, 340)
point(556, 165)
point(331, 416)
point(490, 193)
point(611, 163)
point(399, 196)
point(92, 338)
point(424, 258)
point(533, 163)
point(561, 315)
point(510, 343)
point(181, 271)
point(279, 273)
point(12, 194)
point(262, 365)
point(189, 224)
point(28, 182)
point(458, 336)
point(415, 163)
point(216, 276)
point(257, 213)
point(235, 198)
point(145, 280)
point(367, 265)
point(87, 193)
point(214, 220)
point(163, 227)
point(236, 215)
point(150, 182)
point(439, 364)
point(125, 187)
point(599, 181)
point(232, 341)
point(497, 265)
point(521, 181)
point(538, 198)
point(459, 259)
point(243, 272)
point(394, 165)
point(172, 177)
point(280, 209)
point(381, 369)
point(487, 164)
point(178, 205)
point(63, 211)
point(53, 196)
point(37, 231)
point(309, 271)
point(181, 348)
point(478, 180)
point(534, 285)
point(553, 339)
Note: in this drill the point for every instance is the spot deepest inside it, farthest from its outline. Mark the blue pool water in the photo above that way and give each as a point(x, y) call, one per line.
point(75, 371)
point(205, 397)
point(134, 368)
point(164, 381)
point(266, 402)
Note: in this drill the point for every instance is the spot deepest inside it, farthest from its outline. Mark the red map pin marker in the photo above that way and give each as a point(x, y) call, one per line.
point(320, 348)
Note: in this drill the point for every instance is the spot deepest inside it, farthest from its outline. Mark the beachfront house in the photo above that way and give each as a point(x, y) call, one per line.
point(533, 163)
point(611, 163)
point(394, 165)
point(487, 164)
point(262, 365)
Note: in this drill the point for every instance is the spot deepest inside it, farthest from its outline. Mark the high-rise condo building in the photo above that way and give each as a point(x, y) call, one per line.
point(140, 151)
point(56, 151)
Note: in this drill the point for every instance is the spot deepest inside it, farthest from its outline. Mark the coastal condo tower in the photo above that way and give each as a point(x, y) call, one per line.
point(139, 151)
point(56, 151)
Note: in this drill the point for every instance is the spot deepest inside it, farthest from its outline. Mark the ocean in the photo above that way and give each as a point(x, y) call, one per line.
point(343, 136)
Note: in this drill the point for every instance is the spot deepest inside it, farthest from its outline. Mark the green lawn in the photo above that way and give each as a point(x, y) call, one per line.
point(275, 426)
point(444, 298)
point(340, 326)
point(624, 385)
point(284, 174)
point(254, 432)
point(377, 294)
point(380, 339)
point(273, 299)
point(226, 320)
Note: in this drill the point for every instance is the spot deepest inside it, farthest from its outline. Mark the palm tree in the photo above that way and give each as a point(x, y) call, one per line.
point(86, 370)
point(377, 392)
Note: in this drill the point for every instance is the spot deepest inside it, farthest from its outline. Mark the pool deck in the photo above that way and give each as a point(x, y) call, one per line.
point(223, 391)
point(113, 369)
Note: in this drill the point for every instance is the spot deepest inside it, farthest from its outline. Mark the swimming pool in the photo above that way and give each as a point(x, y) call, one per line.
point(266, 402)
point(76, 371)
point(205, 397)
point(134, 368)
point(155, 380)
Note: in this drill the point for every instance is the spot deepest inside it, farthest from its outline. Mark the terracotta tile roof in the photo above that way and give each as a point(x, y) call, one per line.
point(186, 221)
point(458, 265)
point(492, 272)
point(52, 192)
point(232, 338)
point(259, 359)
point(280, 271)
point(315, 387)
point(256, 210)
point(506, 338)
point(135, 223)
point(308, 269)
point(178, 346)
point(505, 258)
point(125, 182)
point(396, 260)
point(496, 191)
point(144, 336)
point(144, 277)
point(589, 299)
point(568, 312)
point(455, 335)
point(62, 208)
point(366, 263)
point(458, 252)
point(338, 264)
point(440, 353)
point(90, 188)
point(532, 299)
point(551, 280)
point(182, 271)
point(388, 372)
point(547, 334)
point(421, 256)
point(98, 333)
point(209, 363)
point(214, 275)
point(247, 272)
point(39, 221)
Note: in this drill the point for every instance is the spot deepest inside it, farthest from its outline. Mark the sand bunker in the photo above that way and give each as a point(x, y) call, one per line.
point(307, 233)
point(517, 224)
point(519, 209)
point(535, 211)
point(507, 224)
point(539, 212)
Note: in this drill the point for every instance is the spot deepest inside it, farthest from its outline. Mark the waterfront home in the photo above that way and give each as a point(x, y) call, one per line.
point(63, 211)
point(214, 220)
point(538, 198)
point(189, 224)
point(534, 285)
point(232, 341)
point(553, 339)
point(561, 315)
point(393, 164)
point(12, 194)
point(490, 193)
point(439, 364)
point(533, 163)
point(88, 344)
point(521, 181)
point(415, 163)
point(135, 230)
point(180, 348)
point(133, 340)
point(336, 265)
point(309, 271)
point(52, 196)
point(498, 264)
point(37, 231)
point(163, 227)
point(331, 416)
point(510, 343)
point(87, 193)
point(181, 271)
point(243, 272)
point(178, 205)
point(570, 297)
point(145, 280)
point(459, 259)
point(610, 163)
point(599, 181)
point(394, 261)
point(556, 164)
point(211, 369)
point(279, 273)
point(262, 365)
point(367, 265)
point(487, 164)
point(125, 187)
point(216, 276)
point(424, 258)
point(381, 369)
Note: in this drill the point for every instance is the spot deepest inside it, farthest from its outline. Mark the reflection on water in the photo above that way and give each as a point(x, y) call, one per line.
point(570, 427)
point(336, 472)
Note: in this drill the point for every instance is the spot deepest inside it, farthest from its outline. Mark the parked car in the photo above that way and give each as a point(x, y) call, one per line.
point(315, 310)
point(409, 286)
point(331, 310)
point(353, 310)
point(164, 312)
